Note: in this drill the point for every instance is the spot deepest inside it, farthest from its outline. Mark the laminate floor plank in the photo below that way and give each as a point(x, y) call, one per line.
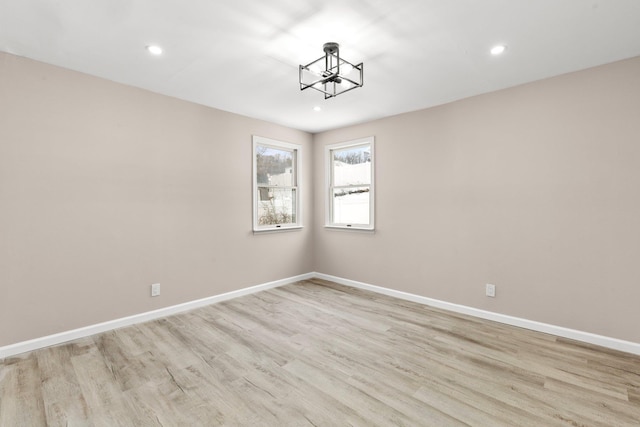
point(21, 400)
point(65, 404)
point(316, 353)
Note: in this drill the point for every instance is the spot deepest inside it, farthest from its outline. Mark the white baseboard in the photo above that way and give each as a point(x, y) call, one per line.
point(612, 343)
point(25, 346)
point(34, 344)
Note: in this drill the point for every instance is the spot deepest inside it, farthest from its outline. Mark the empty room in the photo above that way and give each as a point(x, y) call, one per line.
point(320, 213)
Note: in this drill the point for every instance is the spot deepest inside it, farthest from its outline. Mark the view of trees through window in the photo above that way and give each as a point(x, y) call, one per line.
point(275, 176)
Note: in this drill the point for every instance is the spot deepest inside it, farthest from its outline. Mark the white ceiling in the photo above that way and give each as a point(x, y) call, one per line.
point(243, 55)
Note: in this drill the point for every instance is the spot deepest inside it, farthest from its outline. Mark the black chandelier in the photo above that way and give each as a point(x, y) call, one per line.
point(331, 74)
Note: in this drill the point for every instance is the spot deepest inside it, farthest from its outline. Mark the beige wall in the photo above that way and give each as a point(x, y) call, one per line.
point(106, 189)
point(535, 189)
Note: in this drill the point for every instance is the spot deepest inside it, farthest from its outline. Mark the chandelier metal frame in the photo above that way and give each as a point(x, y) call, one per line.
point(331, 74)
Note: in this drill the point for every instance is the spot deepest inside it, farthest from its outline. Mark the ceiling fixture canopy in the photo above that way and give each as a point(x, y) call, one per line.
point(331, 74)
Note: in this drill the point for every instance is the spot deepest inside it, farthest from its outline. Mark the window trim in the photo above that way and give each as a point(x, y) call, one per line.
point(297, 162)
point(370, 140)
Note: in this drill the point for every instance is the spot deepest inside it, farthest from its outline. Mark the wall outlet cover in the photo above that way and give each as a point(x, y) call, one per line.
point(155, 289)
point(490, 290)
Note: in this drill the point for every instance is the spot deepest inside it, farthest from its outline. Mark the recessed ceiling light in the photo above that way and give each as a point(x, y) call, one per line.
point(497, 50)
point(154, 49)
point(317, 108)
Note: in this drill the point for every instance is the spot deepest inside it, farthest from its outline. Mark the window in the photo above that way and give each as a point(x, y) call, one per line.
point(350, 195)
point(276, 180)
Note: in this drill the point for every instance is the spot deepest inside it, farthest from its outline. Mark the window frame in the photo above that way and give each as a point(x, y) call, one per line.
point(329, 187)
point(297, 175)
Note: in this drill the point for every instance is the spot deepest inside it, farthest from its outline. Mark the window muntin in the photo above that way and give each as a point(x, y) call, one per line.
point(276, 193)
point(350, 193)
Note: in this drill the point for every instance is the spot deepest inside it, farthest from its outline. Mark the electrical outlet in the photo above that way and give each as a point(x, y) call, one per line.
point(155, 289)
point(490, 290)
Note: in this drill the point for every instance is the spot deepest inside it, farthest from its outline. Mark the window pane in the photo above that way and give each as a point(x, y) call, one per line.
point(274, 166)
point(351, 205)
point(276, 206)
point(352, 166)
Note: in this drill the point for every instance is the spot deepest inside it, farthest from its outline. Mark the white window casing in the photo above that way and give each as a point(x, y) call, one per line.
point(276, 185)
point(350, 186)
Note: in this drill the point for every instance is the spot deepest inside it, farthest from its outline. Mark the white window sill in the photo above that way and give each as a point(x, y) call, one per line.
point(353, 227)
point(277, 229)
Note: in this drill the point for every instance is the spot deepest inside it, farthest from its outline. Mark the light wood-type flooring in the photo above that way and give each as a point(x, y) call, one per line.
point(315, 353)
